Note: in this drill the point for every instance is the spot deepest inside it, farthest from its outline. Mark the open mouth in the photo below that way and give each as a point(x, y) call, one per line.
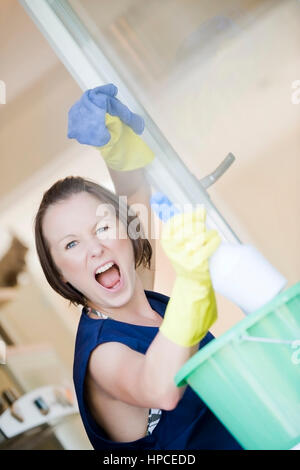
point(110, 278)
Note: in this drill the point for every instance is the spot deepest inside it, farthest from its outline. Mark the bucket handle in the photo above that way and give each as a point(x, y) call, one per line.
point(259, 339)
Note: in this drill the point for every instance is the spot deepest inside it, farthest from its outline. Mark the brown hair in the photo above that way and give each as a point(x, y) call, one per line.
point(62, 190)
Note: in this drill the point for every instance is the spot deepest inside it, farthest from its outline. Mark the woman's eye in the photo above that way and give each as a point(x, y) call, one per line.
point(68, 246)
point(102, 229)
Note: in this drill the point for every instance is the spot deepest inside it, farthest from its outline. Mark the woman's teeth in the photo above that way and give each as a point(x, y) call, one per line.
point(104, 268)
point(109, 276)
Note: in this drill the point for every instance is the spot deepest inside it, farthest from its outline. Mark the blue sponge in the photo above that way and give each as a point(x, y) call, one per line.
point(86, 121)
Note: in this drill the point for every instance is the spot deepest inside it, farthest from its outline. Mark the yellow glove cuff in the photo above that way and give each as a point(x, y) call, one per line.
point(191, 311)
point(126, 150)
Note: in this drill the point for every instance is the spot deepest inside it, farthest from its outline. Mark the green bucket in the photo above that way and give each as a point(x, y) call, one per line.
point(250, 376)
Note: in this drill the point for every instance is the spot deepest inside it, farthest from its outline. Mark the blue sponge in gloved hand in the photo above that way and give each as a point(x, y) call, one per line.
point(87, 116)
point(162, 206)
point(101, 120)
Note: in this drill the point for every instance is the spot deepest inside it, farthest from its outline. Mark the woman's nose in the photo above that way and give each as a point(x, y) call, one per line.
point(95, 247)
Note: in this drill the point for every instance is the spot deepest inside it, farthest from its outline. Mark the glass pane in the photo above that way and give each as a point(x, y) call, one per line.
point(218, 77)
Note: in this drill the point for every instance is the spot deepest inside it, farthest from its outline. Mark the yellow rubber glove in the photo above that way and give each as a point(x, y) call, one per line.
point(192, 307)
point(125, 150)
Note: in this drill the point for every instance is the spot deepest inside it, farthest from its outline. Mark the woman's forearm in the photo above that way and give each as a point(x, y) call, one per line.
point(134, 185)
point(163, 360)
point(127, 183)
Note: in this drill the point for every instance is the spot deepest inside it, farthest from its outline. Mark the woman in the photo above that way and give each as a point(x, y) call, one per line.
point(130, 341)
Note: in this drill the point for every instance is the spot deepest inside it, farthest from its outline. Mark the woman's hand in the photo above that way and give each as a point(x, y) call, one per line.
point(87, 116)
point(188, 244)
point(192, 307)
point(101, 120)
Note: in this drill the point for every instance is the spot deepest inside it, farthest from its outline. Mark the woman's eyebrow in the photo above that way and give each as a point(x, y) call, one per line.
point(74, 235)
point(66, 236)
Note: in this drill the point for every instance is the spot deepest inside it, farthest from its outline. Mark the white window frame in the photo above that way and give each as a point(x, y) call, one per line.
point(89, 67)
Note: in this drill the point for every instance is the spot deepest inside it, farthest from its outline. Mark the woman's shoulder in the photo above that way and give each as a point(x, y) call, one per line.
point(150, 294)
point(157, 301)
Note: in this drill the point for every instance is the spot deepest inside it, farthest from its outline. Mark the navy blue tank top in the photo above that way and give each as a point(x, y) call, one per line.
point(191, 425)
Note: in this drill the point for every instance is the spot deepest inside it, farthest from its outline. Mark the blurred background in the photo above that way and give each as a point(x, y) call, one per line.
point(215, 77)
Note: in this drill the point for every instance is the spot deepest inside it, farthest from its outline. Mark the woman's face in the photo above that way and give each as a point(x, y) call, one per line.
point(81, 241)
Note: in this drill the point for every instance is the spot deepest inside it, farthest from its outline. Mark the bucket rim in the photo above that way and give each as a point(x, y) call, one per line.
point(233, 333)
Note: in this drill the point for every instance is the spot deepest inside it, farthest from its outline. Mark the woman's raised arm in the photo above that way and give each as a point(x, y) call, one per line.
point(134, 185)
